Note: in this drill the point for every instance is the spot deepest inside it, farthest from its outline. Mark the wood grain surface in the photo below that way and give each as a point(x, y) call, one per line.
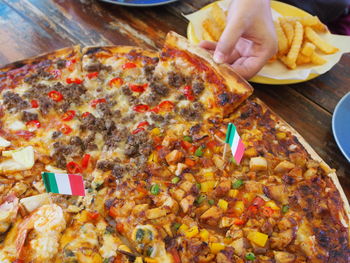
point(31, 27)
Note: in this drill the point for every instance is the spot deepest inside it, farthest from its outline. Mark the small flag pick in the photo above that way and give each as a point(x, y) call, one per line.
point(66, 184)
point(235, 142)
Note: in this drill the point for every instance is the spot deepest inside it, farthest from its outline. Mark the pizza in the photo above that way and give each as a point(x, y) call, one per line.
point(146, 130)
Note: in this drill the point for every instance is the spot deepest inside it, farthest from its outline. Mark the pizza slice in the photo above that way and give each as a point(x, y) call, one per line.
point(187, 78)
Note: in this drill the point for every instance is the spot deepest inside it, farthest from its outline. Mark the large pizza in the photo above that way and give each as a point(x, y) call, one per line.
point(146, 131)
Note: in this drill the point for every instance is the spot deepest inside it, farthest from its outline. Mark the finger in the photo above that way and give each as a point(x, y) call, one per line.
point(208, 44)
point(227, 41)
point(247, 67)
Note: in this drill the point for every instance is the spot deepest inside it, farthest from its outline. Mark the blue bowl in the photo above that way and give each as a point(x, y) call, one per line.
point(139, 2)
point(341, 125)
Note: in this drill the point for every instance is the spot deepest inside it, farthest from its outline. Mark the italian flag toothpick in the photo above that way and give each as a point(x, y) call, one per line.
point(235, 142)
point(66, 184)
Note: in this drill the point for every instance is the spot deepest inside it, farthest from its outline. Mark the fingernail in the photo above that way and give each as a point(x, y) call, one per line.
point(219, 57)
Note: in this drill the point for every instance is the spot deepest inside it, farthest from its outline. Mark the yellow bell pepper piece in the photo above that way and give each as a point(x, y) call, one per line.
point(272, 205)
point(258, 238)
point(207, 186)
point(216, 247)
point(238, 207)
point(249, 197)
point(193, 231)
point(223, 204)
point(204, 234)
point(208, 176)
point(281, 135)
point(233, 193)
point(155, 131)
point(153, 158)
point(183, 228)
point(151, 260)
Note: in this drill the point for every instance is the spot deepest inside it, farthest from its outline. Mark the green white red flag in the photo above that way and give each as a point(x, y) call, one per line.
point(66, 184)
point(235, 142)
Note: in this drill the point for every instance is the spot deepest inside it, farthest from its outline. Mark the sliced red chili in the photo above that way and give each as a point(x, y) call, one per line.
point(24, 134)
point(166, 106)
point(85, 114)
point(85, 161)
point(55, 95)
point(65, 129)
point(56, 73)
point(188, 93)
point(68, 115)
point(97, 101)
point(92, 75)
point(137, 130)
point(267, 211)
point(138, 88)
point(73, 168)
point(141, 108)
point(34, 103)
point(128, 65)
point(76, 80)
point(116, 82)
point(142, 124)
point(33, 125)
point(258, 201)
point(93, 215)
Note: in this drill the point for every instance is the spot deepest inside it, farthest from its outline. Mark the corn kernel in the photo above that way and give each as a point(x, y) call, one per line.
point(155, 131)
point(193, 231)
point(183, 228)
point(223, 204)
point(233, 193)
point(258, 238)
point(281, 135)
point(238, 207)
point(272, 205)
point(207, 186)
point(204, 234)
point(216, 247)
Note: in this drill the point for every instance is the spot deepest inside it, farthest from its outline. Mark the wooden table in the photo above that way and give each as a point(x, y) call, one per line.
point(32, 27)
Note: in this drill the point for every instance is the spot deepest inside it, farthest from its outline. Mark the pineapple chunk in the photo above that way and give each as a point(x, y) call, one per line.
point(216, 247)
point(258, 238)
point(284, 166)
point(223, 204)
point(258, 164)
point(187, 202)
point(173, 157)
point(193, 231)
point(207, 186)
point(226, 221)
point(238, 207)
point(155, 213)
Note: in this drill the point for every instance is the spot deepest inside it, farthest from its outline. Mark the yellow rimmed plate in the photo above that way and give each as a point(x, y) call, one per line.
point(284, 10)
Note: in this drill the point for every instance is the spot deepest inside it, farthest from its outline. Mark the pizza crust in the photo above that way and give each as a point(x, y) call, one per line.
point(234, 82)
point(111, 50)
point(64, 52)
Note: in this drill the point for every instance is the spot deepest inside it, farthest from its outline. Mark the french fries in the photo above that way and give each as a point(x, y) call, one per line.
point(303, 40)
point(299, 42)
point(214, 25)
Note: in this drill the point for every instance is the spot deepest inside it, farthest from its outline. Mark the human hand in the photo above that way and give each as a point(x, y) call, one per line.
point(249, 39)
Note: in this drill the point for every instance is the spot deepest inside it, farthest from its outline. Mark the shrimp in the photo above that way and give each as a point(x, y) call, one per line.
point(8, 212)
point(47, 223)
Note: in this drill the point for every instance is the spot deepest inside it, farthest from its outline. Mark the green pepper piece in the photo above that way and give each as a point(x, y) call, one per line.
point(149, 251)
point(188, 139)
point(285, 209)
point(176, 226)
point(211, 202)
point(200, 199)
point(237, 184)
point(155, 189)
point(199, 151)
point(250, 256)
point(175, 180)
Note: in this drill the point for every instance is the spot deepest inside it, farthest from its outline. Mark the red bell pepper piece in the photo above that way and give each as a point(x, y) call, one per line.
point(34, 103)
point(73, 168)
point(129, 65)
point(85, 161)
point(97, 101)
point(55, 95)
point(92, 75)
point(116, 81)
point(141, 108)
point(65, 129)
point(68, 115)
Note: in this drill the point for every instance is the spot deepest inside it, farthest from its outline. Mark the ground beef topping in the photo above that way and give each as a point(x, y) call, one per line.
point(176, 79)
point(29, 116)
point(138, 144)
point(13, 101)
point(191, 112)
point(197, 88)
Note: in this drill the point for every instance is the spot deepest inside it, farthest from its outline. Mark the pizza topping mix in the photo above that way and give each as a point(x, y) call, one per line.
point(147, 135)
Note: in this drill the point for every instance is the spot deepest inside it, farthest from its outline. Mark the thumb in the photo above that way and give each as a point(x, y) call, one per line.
point(227, 42)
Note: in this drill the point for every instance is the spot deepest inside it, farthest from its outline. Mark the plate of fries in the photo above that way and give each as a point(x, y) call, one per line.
point(306, 49)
